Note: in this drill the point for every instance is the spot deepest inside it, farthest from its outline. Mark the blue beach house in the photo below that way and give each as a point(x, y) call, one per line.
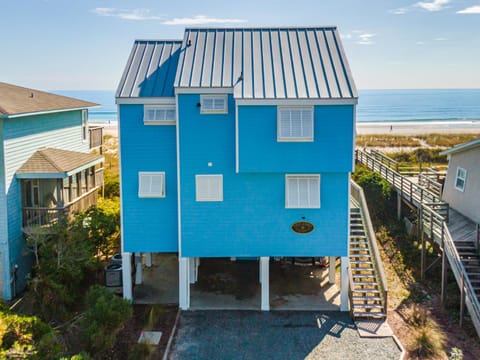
point(237, 143)
point(47, 171)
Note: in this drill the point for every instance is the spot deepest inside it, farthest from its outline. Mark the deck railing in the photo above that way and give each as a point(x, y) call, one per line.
point(96, 136)
point(468, 295)
point(45, 217)
point(434, 216)
point(357, 194)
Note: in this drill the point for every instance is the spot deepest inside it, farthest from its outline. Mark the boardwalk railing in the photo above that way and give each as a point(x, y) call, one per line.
point(433, 219)
point(468, 295)
point(357, 194)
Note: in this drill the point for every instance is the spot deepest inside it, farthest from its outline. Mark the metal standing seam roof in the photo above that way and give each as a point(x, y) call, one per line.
point(150, 69)
point(267, 63)
point(56, 161)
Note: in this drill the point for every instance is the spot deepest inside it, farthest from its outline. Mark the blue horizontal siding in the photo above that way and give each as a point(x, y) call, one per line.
point(21, 138)
point(331, 150)
point(148, 224)
point(252, 220)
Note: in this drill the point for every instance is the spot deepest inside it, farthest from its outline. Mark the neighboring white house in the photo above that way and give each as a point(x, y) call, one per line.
point(462, 184)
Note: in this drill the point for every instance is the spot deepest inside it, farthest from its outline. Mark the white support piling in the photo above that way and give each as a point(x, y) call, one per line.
point(399, 205)
point(265, 282)
point(127, 275)
point(183, 283)
point(138, 269)
point(331, 269)
point(148, 259)
point(344, 284)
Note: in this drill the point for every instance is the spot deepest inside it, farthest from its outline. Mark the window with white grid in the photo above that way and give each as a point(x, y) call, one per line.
point(209, 187)
point(460, 179)
point(295, 124)
point(213, 104)
point(159, 114)
point(151, 184)
point(302, 191)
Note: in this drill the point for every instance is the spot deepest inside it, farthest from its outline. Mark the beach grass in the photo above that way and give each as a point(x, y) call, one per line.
point(382, 140)
point(447, 140)
point(429, 140)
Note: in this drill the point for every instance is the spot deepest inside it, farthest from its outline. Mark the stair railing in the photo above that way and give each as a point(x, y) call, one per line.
point(359, 196)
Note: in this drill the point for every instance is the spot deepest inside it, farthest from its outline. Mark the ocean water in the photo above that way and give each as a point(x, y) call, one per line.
point(452, 105)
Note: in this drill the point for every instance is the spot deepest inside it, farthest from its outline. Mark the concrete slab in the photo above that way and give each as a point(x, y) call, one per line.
point(373, 328)
point(150, 337)
point(160, 281)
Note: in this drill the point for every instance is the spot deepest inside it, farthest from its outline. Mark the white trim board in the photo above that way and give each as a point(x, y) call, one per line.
point(12, 116)
point(296, 102)
point(201, 90)
point(146, 101)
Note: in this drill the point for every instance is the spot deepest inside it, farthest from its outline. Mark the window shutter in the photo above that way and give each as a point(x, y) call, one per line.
point(303, 191)
point(151, 184)
point(209, 187)
point(295, 124)
point(159, 114)
point(213, 104)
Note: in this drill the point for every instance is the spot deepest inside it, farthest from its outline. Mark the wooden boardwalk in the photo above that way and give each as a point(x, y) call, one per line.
point(457, 235)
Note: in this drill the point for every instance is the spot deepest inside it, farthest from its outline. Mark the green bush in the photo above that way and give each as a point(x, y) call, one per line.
point(27, 337)
point(111, 185)
point(377, 191)
point(105, 316)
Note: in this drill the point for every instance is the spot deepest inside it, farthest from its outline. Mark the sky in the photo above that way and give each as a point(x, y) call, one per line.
point(390, 44)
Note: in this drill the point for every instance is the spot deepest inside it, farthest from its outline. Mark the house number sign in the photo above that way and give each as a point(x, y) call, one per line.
point(302, 227)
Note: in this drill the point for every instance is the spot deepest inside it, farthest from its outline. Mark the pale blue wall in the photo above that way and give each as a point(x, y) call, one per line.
point(148, 224)
point(252, 219)
point(22, 136)
point(4, 278)
point(331, 150)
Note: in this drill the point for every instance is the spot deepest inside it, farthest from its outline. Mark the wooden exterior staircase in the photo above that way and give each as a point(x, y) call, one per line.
point(368, 287)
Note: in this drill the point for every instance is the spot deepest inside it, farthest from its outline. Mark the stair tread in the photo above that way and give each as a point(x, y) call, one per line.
point(365, 283)
point(367, 298)
point(369, 306)
point(369, 314)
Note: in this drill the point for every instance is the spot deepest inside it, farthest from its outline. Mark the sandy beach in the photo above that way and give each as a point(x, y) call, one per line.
point(404, 128)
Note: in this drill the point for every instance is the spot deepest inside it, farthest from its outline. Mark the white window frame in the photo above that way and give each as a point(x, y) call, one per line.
point(311, 204)
point(148, 176)
point(208, 197)
point(282, 138)
point(204, 110)
point(84, 125)
point(459, 177)
point(165, 107)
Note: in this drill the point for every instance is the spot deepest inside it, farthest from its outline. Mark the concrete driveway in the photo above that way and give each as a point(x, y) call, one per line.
point(275, 335)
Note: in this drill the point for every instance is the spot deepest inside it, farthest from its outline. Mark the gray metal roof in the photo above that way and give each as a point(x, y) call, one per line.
point(266, 63)
point(462, 147)
point(150, 69)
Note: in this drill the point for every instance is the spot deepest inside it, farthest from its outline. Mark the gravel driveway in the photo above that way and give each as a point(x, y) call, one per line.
point(275, 335)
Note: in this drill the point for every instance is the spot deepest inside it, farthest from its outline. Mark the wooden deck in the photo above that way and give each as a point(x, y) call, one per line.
point(461, 228)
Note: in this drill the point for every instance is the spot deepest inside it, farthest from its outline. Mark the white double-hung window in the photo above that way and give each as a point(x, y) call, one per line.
point(213, 104)
point(209, 187)
point(159, 114)
point(302, 191)
point(295, 123)
point(460, 179)
point(151, 184)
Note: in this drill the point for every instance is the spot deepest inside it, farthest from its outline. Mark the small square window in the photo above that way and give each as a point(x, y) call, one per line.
point(295, 124)
point(151, 184)
point(213, 104)
point(159, 115)
point(209, 187)
point(460, 179)
point(302, 191)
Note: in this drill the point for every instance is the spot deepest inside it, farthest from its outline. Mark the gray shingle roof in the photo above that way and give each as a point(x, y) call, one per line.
point(16, 100)
point(150, 70)
point(56, 161)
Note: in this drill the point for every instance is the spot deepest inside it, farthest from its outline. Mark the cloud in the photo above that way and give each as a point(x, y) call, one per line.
point(435, 5)
point(345, 36)
point(470, 10)
point(202, 20)
point(399, 11)
point(365, 39)
point(440, 39)
point(127, 14)
point(420, 43)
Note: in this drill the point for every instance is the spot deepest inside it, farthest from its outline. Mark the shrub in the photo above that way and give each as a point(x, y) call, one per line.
point(456, 354)
point(111, 185)
point(377, 191)
point(105, 316)
point(27, 337)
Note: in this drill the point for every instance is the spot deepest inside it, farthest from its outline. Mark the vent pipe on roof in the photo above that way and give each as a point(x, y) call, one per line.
point(189, 43)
